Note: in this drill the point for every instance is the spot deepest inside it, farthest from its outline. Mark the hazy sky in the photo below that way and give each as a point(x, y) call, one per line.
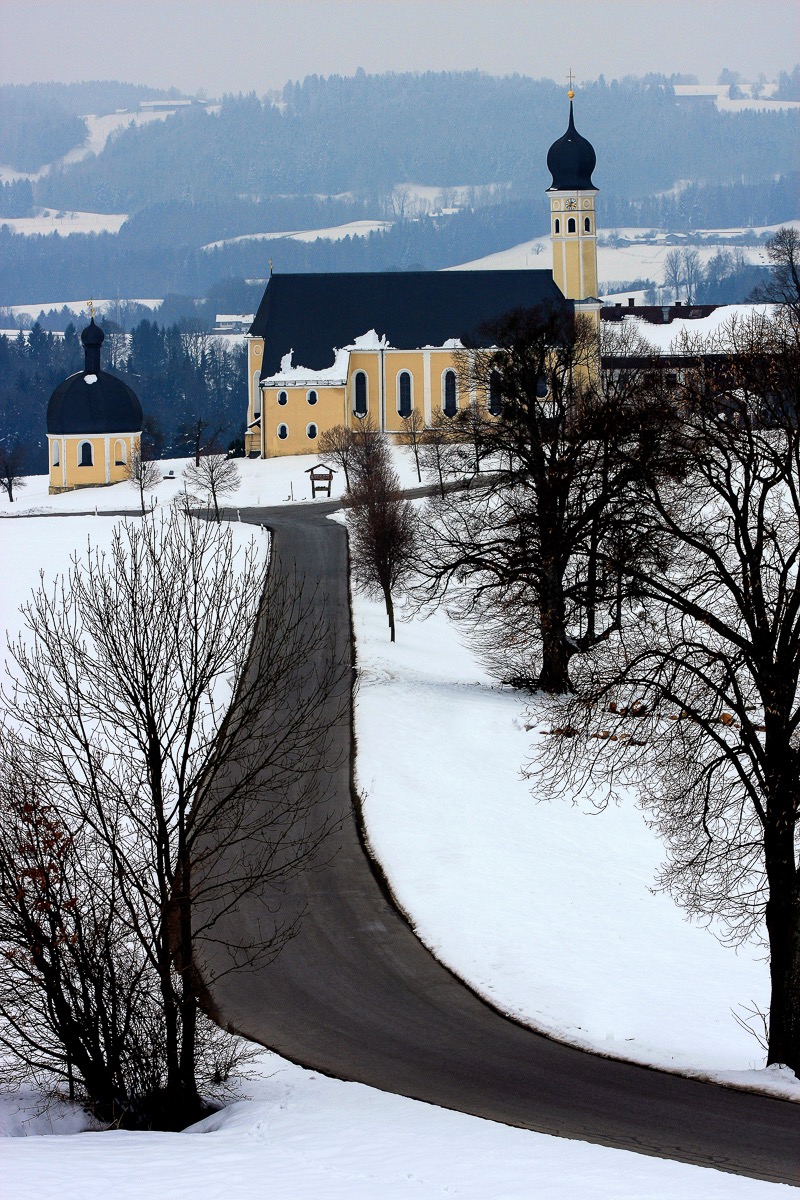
point(243, 45)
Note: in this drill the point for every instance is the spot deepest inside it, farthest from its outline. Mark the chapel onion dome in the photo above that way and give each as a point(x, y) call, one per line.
point(93, 401)
point(571, 161)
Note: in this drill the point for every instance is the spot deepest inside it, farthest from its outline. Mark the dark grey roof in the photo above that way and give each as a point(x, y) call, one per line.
point(571, 160)
point(106, 406)
point(314, 315)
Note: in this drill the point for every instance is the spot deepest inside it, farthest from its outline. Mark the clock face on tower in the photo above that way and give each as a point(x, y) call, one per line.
point(571, 204)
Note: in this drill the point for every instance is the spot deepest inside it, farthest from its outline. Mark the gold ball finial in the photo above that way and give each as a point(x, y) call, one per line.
point(571, 94)
point(571, 79)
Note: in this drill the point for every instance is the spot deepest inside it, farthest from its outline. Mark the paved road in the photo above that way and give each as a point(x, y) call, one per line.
point(357, 996)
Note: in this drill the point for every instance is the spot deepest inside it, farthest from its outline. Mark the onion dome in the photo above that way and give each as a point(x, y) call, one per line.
point(93, 401)
point(571, 160)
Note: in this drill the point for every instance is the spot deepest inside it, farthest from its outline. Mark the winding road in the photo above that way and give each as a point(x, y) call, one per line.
point(357, 996)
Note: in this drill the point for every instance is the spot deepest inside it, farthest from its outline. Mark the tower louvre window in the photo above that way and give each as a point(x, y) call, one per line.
point(587, 225)
point(571, 225)
point(558, 225)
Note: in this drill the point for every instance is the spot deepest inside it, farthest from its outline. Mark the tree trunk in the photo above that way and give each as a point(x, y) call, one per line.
point(783, 918)
point(556, 651)
point(387, 595)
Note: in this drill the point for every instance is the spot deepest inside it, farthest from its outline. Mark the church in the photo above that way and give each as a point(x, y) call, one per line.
point(332, 349)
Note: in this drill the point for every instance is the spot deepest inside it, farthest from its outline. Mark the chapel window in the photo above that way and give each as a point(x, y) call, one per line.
point(449, 403)
point(56, 455)
point(119, 453)
point(85, 457)
point(404, 394)
point(256, 396)
point(360, 394)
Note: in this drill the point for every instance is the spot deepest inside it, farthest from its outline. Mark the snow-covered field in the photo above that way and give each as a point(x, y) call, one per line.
point(50, 220)
point(643, 260)
point(300, 1136)
point(545, 909)
point(334, 233)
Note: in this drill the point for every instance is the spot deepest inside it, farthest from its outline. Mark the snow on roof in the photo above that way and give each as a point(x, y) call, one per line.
point(329, 376)
point(668, 338)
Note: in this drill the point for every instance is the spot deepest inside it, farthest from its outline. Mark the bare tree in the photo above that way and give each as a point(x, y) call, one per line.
point(439, 449)
point(414, 434)
point(692, 273)
point(697, 700)
point(380, 522)
point(142, 473)
point(337, 444)
point(674, 278)
point(12, 460)
point(784, 254)
point(215, 476)
point(182, 749)
point(548, 532)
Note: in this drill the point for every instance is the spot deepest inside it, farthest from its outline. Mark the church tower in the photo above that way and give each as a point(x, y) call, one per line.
point(573, 229)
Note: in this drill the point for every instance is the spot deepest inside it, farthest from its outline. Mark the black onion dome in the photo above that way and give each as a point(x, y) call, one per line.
point(93, 401)
point(571, 160)
point(107, 405)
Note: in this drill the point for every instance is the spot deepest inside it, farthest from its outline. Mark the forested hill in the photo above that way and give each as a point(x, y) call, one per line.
point(367, 133)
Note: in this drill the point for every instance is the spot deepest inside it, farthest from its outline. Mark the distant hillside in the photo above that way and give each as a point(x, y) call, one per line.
point(40, 122)
point(367, 133)
point(328, 152)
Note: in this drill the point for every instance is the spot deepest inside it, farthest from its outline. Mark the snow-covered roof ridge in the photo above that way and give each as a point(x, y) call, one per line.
point(673, 337)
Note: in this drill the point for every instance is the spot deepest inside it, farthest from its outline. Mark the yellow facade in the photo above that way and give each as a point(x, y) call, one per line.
point(288, 416)
point(89, 461)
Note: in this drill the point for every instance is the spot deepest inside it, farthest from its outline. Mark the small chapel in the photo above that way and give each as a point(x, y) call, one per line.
point(332, 349)
point(94, 423)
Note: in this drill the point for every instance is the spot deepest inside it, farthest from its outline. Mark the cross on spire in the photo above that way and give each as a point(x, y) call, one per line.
point(90, 304)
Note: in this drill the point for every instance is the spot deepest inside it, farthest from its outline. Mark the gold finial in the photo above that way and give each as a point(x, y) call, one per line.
point(571, 79)
point(270, 267)
point(90, 306)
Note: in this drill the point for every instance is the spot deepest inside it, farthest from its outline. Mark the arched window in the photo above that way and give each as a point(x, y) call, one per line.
point(256, 396)
point(558, 225)
point(542, 387)
point(85, 457)
point(119, 453)
point(360, 393)
point(587, 225)
point(311, 397)
point(571, 225)
point(449, 402)
point(311, 431)
point(282, 398)
point(404, 393)
point(56, 455)
point(283, 432)
point(495, 403)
